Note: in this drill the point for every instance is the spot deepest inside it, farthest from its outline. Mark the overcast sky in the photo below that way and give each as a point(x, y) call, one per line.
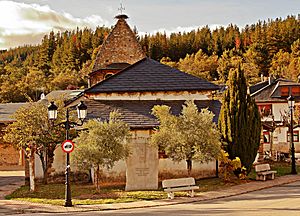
point(26, 21)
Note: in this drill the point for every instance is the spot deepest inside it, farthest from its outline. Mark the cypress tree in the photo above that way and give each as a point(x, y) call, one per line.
point(239, 120)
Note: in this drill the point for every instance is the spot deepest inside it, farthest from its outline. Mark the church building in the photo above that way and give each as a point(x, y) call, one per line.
point(119, 50)
point(124, 79)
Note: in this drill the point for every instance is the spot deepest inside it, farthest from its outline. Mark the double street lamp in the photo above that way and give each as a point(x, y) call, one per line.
point(291, 102)
point(67, 124)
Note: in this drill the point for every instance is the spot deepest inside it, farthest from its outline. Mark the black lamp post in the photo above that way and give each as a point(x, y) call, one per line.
point(291, 102)
point(67, 124)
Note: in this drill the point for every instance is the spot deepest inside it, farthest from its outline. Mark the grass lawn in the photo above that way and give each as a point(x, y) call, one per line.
point(86, 194)
point(282, 168)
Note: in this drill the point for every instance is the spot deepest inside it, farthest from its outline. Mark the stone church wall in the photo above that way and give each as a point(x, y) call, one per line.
point(142, 170)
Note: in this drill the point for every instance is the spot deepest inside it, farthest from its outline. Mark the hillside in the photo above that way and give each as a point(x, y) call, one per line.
point(63, 60)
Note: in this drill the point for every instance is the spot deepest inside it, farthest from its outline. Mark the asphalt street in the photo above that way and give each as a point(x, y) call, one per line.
point(9, 181)
point(275, 201)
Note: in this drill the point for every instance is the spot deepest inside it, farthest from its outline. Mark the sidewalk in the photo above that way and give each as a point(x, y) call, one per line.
point(26, 207)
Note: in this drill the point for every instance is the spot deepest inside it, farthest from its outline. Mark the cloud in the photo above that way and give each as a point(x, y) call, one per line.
point(22, 23)
point(180, 29)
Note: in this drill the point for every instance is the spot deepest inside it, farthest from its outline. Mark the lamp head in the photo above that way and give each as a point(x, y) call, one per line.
point(81, 111)
point(52, 111)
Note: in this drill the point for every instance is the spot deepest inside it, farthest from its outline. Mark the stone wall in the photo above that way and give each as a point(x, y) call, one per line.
point(171, 169)
point(120, 46)
point(9, 156)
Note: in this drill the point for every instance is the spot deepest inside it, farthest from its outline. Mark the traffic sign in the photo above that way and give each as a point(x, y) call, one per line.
point(67, 146)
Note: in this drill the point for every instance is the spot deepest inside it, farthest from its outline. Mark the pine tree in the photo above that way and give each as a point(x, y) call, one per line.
point(43, 59)
point(239, 120)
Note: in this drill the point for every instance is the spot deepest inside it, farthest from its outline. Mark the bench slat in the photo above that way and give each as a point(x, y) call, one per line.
point(180, 182)
point(262, 167)
point(181, 189)
point(266, 172)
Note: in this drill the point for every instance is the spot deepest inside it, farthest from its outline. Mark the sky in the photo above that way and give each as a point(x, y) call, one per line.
point(27, 21)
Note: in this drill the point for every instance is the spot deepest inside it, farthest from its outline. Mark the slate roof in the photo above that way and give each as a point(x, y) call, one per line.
point(254, 88)
point(270, 92)
point(7, 110)
point(66, 94)
point(150, 75)
point(137, 114)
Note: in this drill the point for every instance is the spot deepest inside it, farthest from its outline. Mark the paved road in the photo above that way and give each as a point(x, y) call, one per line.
point(9, 181)
point(281, 200)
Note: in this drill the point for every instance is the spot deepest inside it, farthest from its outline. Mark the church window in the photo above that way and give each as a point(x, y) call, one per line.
point(108, 75)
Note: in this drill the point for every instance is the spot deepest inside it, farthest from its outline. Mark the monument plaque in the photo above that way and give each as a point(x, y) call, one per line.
point(142, 166)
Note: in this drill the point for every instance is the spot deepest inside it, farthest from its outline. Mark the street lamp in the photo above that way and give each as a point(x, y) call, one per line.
point(67, 124)
point(291, 102)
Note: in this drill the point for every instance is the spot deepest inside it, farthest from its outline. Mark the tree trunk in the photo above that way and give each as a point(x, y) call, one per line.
point(46, 173)
point(97, 178)
point(189, 166)
point(43, 160)
point(49, 161)
point(27, 175)
point(32, 169)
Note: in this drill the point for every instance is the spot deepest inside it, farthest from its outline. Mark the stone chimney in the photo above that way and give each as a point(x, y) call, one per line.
point(271, 79)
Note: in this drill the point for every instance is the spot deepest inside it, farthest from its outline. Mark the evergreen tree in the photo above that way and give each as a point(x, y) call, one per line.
point(43, 59)
point(200, 65)
point(258, 54)
point(239, 120)
point(280, 64)
point(228, 60)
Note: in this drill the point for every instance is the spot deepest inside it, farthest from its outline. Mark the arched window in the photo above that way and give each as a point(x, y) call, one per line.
point(108, 75)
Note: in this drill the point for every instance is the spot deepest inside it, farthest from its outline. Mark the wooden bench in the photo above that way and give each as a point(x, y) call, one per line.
point(181, 184)
point(263, 172)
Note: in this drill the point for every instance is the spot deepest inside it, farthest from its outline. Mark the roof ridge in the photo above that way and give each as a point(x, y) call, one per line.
point(115, 75)
point(152, 76)
point(181, 72)
point(275, 82)
point(260, 90)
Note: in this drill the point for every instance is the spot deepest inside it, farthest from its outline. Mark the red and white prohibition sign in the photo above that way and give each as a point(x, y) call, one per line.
point(67, 146)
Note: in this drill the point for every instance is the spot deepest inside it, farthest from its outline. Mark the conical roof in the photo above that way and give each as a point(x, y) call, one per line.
point(121, 46)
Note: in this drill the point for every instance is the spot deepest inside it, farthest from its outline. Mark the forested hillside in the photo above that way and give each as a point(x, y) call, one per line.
point(63, 60)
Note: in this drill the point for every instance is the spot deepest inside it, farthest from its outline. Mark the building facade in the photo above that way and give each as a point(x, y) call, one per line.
point(124, 79)
point(271, 99)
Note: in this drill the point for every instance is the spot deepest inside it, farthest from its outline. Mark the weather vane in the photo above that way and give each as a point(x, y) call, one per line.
point(121, 8)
